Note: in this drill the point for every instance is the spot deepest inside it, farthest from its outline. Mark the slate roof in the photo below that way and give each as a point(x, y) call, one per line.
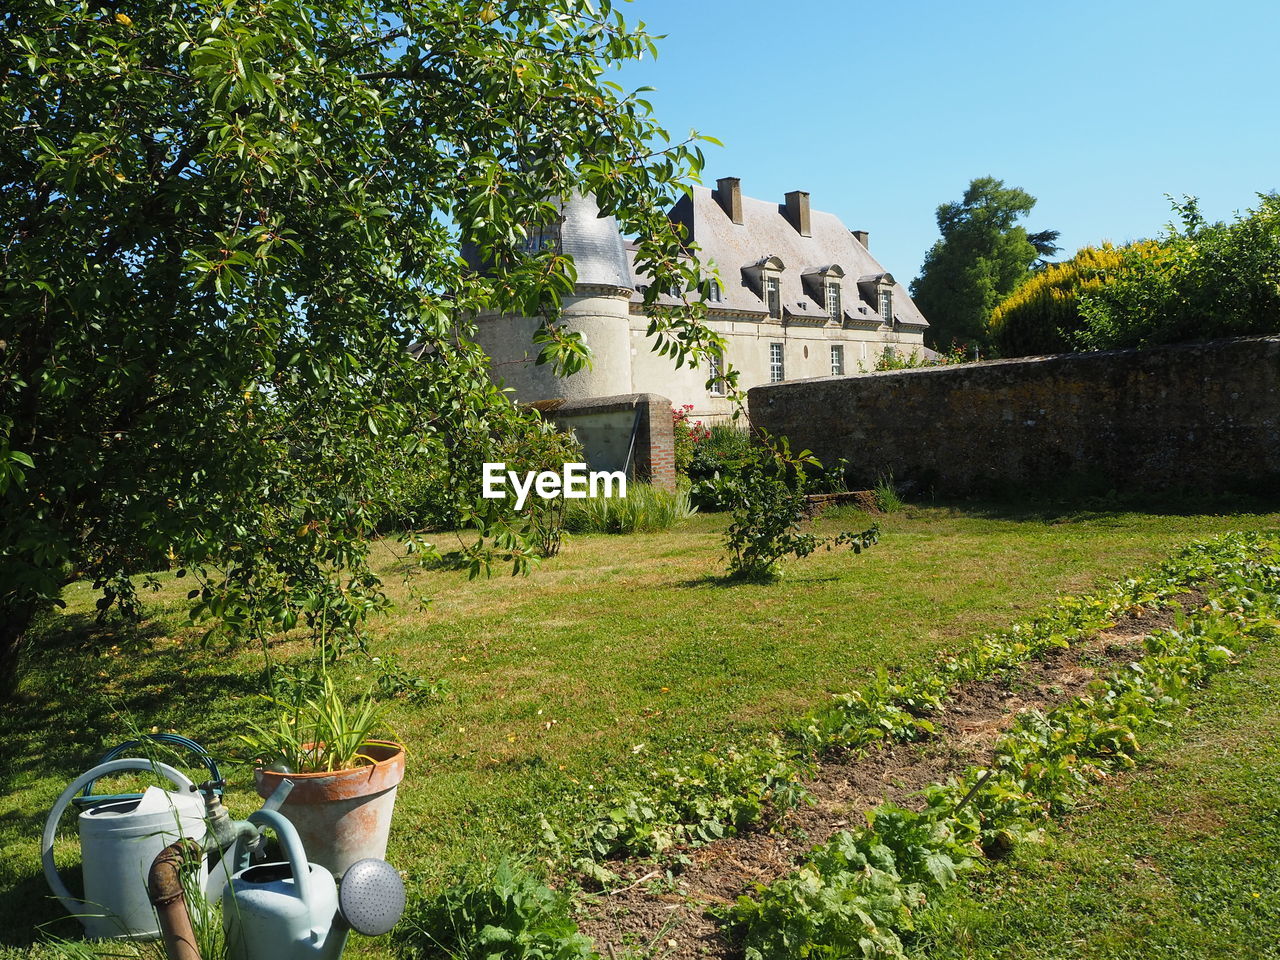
point(765, 231)
point(595, 243)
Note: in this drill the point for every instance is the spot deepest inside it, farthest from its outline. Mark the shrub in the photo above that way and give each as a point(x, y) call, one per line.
point(502, 914)
point(1043, 314)
point(688, 434)
point(436, 483)
point(716, 460)
point(887, 498)
point(645, 509)
point(767, 499)
point(1204, 281)
point(892, 359)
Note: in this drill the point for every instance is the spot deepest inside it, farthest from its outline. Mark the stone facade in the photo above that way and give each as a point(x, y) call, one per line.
point(1203, 416)
point(757, 246)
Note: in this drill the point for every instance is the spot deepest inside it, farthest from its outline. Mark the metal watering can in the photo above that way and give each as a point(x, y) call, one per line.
point(121, 835)
point(277, 911)
point(294, 910)
point(119, 839)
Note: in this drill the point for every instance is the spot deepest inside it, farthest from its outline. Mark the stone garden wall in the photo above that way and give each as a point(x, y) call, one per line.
point(1203, 416)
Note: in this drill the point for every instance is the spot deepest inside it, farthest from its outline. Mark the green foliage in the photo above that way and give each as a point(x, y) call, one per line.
point(314, 730)
point(699, 795)
point(857, 893)
point(1043, 315)
point(393, 680)
point(886, 492)
point(689, 800)
point(645, 509)
point(688, 434)
point(266, 307)
point(981, 258)
point(893, 359)
point(544, 520)
point(437, 484)
point(1177, 863)
point(503, 913)
point(716, 460)
point(766, 496)
point(1202, 281)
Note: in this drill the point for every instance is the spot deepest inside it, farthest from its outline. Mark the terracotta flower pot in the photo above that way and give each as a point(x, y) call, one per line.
point(345, 815)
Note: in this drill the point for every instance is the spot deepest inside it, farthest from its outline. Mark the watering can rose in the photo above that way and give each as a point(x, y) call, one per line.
point(574, 482)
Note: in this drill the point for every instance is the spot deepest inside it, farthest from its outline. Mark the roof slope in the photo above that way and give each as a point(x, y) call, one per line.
point(594, 242)
point(765, 232)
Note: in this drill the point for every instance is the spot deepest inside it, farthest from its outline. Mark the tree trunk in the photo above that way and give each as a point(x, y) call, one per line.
point(15, 622)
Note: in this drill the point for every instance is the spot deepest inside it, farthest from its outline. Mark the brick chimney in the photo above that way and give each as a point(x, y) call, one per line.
point(862, 237)
point(798, 211)
point(728, 194)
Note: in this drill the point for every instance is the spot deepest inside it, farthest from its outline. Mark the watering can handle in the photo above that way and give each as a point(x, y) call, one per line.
point(170, 739)
point(51, 874)
point(293, 851)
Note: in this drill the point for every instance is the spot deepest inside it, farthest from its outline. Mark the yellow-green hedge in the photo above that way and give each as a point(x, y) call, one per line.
point(1041, 314)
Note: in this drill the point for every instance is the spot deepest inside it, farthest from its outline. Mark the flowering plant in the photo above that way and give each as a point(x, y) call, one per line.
point(688, 432)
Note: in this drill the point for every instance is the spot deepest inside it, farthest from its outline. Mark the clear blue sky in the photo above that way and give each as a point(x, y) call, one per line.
point(883, 111)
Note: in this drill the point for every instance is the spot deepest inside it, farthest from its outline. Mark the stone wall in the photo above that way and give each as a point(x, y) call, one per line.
point(632, 433)
point(1203, 416)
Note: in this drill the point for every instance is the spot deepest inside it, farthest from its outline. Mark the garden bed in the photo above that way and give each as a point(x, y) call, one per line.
point(654, 907)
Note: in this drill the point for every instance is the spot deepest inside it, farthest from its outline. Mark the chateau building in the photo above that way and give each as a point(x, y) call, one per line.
point(800, 296)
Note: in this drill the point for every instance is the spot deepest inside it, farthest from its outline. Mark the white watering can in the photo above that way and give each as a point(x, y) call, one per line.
point(294, 910)
point(118, 841)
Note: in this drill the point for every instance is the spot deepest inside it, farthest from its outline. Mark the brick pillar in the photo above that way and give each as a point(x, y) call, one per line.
point(655, 453)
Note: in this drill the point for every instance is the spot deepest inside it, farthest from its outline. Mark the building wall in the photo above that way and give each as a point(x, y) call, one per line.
point(1203, 416)
point(806, 354)
point(623, 359)
point(634, 433)
point(601, 316)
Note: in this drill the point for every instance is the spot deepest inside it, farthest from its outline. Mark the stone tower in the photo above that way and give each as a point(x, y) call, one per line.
point(597, 310)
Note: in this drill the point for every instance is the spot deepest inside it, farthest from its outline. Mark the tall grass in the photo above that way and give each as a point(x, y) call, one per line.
point(645, 509)
point(887, 498)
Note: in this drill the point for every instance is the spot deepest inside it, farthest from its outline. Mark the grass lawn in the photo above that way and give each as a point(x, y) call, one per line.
point(552, 682)
point(1178, 859)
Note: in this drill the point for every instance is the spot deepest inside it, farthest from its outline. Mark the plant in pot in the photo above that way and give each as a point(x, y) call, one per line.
point(344, 776)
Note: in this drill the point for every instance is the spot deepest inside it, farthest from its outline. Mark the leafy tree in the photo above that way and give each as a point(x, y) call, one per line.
point(982, 257)
point(1043, 315)
point(1199, 282)
point(223, 226)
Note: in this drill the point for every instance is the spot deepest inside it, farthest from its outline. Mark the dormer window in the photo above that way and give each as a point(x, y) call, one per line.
point(765, 276)
point(773, 296)
point(825, 286)
point(876, 290)
point(835, 310)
